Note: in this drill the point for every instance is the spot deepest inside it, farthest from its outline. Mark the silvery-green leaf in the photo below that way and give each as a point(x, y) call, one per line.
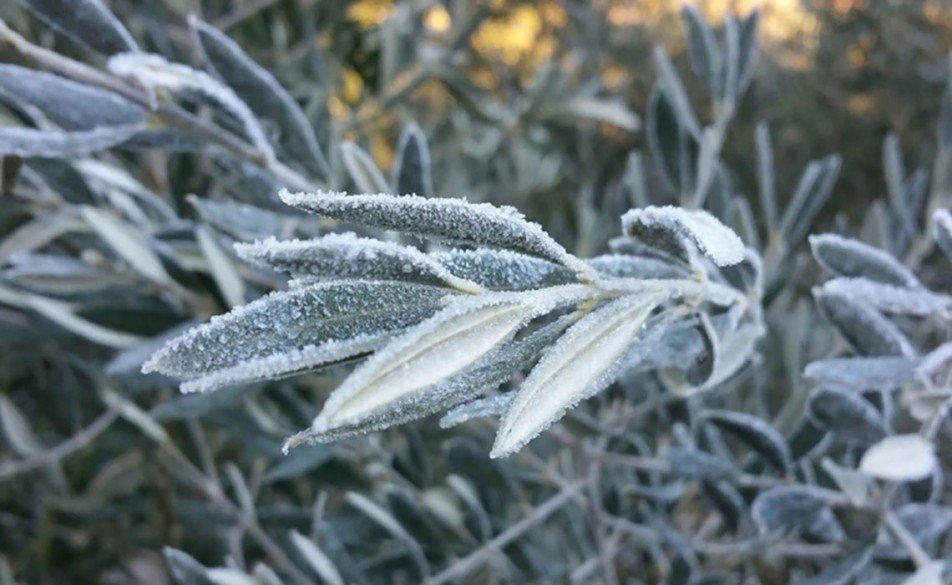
point(362, 169)
point(862, 374)
point(91, 118)
point(705, 54)
point(715, 240)
point(289, 331)
point(17, 429)
point(613, 112)
point(437, 350)
point(127, 242)
point(854, 484)
point(386, 521)
point(852, 258)
point(453, 220)
point(696, 464)
point(155, 72)
point(889, 298)
point(345, 256)
point(221, 267)
point(813, 190)
point(895, 184)
point(627, 266)
point(747, 48)
point(787, 507)
point(411, 171)
point(64, 315)
point(316, 558)
point(727, 357)
point(942, 230)
point(479, 408)
point(730, 72)
point(483, 376)
point(260, 90)
point(86, 21)
point(243, 221)
point(848, 415)
point(582, 363)
point(900, 458)
point(844, 571)
point(867, 330)
point(672, 146)
point(674, 89)
point(766, 180)
point(503, 269)
point(755, 433)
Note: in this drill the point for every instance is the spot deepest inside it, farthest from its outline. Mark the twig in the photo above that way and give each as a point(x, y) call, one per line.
point(477, 557)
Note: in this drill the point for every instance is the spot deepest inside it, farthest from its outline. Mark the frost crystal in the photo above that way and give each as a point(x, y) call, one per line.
point(715, 240)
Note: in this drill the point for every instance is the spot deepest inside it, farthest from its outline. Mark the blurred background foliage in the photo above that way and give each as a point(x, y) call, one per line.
point(832, 76)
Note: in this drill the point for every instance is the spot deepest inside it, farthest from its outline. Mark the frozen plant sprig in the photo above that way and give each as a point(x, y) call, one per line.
point(446, 328)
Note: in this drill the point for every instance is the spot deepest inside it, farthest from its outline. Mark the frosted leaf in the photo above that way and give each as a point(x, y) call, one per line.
point(862, 374)
point(503, 270)
point(242, 221)
point(285, 331)
point(86, 21)
point(756, 433)
point(260, 90)
point(583, 362)
point(316, 558)
point(362, 169)
point(851, 418)
point(92, 118)
point(715, 240)
point(681, 341)
point(479, 408)
point(345, 256)
point(155, 72)
point(900, 458)
point(889, 298)
point(942, 230)
point(436, 350)
point(852, 258)
point(411, 171)
point(630, 246)
point(730, 355)
point(627, 266)
point(452, 220)
point(867, 330)
point(787, 507)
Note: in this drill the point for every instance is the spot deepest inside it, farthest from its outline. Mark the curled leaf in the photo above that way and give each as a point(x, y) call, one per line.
point(715, 240)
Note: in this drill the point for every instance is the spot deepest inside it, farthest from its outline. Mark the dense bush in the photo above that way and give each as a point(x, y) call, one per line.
point(730, 410)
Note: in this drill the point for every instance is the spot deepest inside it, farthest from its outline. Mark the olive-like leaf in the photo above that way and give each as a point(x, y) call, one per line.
point(865, 328)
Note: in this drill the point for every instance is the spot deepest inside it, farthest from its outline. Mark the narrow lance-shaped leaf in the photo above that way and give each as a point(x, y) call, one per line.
point(675, 90)
point(86, 21)
point(787, 507)
point(437, 350)
point(503, 269)
point(260, 90)
point(766, 180)
point(895, 184)
point(848, 415)
point(363, 170)
point(127, 243)
point(345, 256)
point(222, 267)
point(747, 48)
point(756, 434)
point(852, 258)
point(715, 240)
point(453, 220)
point(867, 330)
point(812, 194)
point(411, 171)
point(900, 458)
point(666, 138)
point(92, 118)
point(285, 332)
point(889, 298)
point(386, 520)
point(316, 558)
point(484, 375)
point(731, 69)
point(154, 71)
point(583, 362)
point(705, 54)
